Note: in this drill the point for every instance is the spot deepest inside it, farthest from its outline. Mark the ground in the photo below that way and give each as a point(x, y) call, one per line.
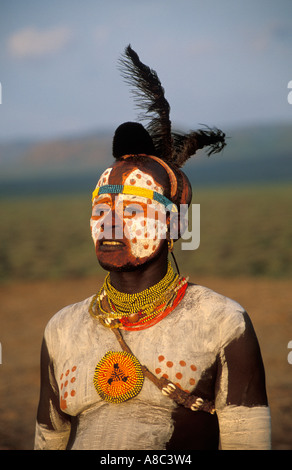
point(26, 308)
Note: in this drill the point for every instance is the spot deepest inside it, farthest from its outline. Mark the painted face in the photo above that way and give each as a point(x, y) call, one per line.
point(127, 230)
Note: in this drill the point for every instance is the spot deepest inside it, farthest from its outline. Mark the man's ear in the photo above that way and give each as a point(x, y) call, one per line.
point(172, 221)
point(177, 223)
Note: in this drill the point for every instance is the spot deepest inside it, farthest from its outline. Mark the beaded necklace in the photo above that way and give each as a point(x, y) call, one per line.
point(131, 311)
point(123, 305)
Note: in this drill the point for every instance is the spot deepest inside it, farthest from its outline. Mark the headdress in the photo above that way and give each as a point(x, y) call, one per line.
point(157, 140)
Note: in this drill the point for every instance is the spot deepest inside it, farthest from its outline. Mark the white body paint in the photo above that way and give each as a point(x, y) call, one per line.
point(183, 345)
point(248, 427)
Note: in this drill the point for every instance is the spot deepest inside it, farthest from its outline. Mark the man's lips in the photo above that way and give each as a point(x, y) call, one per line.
point(111, 244)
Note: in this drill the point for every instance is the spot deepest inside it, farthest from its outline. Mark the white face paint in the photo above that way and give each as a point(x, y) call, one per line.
point(104, 178)
point(140, 220)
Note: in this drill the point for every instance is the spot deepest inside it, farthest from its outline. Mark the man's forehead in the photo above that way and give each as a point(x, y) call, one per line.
point(131, 176)
point(109, 199)
point(136, 182)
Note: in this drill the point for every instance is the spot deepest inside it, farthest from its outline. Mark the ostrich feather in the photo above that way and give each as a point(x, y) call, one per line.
point(187, 145)
point(149, 96)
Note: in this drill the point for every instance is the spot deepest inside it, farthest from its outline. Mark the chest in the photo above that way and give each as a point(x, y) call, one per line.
point(179, 348)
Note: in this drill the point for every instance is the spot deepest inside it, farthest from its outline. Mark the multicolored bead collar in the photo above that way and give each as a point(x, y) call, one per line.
point(141, 310)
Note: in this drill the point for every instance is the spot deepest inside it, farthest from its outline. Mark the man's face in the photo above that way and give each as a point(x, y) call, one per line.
point(127, 230)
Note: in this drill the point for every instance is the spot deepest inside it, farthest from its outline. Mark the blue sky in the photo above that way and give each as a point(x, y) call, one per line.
point(222, 63)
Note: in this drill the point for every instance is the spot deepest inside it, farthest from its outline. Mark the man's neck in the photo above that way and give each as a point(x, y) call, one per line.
point(142, 277)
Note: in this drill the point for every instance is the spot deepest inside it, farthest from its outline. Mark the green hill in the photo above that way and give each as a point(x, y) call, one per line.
point(253, 154)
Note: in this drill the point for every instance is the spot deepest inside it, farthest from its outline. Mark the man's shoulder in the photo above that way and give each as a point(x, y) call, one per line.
point(71, 314)
point(220, 312)
point(211, 299)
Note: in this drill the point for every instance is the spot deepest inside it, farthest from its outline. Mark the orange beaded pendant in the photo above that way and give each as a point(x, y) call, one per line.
point(118, 377)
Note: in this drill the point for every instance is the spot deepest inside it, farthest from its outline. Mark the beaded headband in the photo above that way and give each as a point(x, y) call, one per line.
point(134, 191)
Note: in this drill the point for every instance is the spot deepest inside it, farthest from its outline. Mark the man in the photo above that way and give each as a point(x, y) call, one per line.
point(151, 361)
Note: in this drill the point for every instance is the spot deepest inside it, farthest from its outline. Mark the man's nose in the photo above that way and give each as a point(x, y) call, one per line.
point(112, 225)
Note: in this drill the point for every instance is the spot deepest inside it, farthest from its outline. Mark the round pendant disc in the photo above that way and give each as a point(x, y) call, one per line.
point(118, 377)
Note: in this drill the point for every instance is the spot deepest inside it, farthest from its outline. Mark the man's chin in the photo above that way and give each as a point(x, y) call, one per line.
point(118, 262)
point(127, 267)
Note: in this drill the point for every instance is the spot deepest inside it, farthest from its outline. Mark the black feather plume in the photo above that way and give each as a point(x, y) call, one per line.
point(149, 96)
point(187, 145)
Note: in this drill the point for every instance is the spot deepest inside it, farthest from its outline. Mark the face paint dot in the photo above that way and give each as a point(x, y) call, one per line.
point(169, 364)
point(161, 358)
point(145, 247)
point(158, 370)
point(178, 385)
point(73, 393)
point(148, 182)
point(193, 367)
point(143, 223)
point(66, 383)
point(132, 181)
point(192, 381)
point(182, 363)
point(73, 380)
point(65, 394)
point(134, 240)
point(165, 376)
point(67, 372)
point(139, 175)
point(178, 375)
point(61, 376)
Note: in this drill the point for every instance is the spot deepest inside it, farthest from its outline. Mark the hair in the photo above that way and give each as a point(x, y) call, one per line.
point(131, 138)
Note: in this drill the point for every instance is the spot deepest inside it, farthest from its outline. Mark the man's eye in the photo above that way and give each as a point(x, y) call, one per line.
point(100, 211)
point(132, 210)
